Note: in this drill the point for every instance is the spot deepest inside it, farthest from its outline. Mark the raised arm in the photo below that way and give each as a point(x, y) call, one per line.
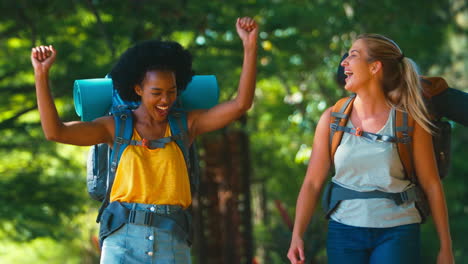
point(316, 176)
point(75, 133)
point(426, 170)
point(219, 116)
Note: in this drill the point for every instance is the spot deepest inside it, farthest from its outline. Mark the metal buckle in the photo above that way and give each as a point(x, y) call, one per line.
point(124, 117)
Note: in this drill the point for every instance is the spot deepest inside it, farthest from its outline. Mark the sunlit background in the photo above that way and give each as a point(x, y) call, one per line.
point(46, 215)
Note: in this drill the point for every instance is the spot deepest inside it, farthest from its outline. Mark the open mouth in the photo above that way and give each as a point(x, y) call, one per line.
point(162, 110)
point(349, 74)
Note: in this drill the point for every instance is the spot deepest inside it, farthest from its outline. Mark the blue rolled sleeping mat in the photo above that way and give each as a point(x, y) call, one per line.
point(94, 98)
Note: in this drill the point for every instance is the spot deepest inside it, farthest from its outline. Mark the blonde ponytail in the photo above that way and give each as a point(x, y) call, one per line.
point(411, 99)
point(400, 83)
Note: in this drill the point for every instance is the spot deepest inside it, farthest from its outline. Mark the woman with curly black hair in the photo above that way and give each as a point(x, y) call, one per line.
point(152, 73)
point(150, 56)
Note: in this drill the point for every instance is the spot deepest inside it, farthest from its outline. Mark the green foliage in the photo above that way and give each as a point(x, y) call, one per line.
point(36, 206)
point(42, 189)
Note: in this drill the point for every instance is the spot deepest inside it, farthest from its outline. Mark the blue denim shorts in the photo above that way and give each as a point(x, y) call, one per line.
point(144, 244)
point(362, 245)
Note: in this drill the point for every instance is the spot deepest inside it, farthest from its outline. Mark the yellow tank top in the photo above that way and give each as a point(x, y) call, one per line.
point(152, 176)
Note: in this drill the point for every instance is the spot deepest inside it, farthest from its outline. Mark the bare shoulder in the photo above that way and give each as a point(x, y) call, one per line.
point(322, 130)
point(325, 117)
point(327, 113)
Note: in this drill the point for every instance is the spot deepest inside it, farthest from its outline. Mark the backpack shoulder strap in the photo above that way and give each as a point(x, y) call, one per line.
point(339, 117)
point(123, 122)
point(178, 124)
point(403, 128)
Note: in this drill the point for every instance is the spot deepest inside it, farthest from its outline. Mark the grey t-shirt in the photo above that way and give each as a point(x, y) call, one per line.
point(364, 165)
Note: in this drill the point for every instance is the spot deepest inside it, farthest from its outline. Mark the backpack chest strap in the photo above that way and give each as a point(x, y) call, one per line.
point(372, 136)
point(151, 144)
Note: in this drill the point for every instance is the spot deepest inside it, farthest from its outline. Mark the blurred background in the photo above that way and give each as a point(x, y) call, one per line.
point(253, 169)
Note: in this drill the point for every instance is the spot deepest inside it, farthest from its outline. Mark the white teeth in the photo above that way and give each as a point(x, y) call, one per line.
point(162, 107)
point(348, 72)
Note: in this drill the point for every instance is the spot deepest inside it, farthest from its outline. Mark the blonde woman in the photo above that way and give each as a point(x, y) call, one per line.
point(374, 230)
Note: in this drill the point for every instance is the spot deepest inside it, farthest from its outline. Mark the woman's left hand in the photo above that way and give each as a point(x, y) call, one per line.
point(247, 29)
point(445, 257)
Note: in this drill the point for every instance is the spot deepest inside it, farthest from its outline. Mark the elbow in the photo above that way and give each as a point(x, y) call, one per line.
point(51, 137)
point(245, 106)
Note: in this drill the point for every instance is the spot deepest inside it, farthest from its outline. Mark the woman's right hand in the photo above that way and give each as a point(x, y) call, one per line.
point(42, 58)
point(296, 251)
point(445, 256)
point(247, 29)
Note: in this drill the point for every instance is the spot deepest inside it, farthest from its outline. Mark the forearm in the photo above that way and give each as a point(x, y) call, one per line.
point(315, 178)
point(305, 207)
point(247, 80)
point(426, 171)
point(436, 198)
point(50, 120)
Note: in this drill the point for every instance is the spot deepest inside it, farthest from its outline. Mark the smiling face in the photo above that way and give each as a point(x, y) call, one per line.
point(357, 68)
point(158, 91)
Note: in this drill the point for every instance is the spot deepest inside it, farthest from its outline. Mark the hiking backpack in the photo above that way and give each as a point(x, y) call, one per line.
point(403, 128)
point(202, 92)
point(102, 160)
point(100, 185)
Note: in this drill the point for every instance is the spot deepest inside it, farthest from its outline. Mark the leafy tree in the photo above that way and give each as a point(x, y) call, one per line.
point(42, 190)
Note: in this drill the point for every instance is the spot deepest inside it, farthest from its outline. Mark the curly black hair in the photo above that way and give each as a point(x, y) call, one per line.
point(149, 55)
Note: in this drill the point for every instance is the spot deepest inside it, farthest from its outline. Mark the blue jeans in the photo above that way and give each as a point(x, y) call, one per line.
point(139, 244)
point(362, 245)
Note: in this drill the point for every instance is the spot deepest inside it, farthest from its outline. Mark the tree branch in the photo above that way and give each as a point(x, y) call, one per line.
point(8, 122)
